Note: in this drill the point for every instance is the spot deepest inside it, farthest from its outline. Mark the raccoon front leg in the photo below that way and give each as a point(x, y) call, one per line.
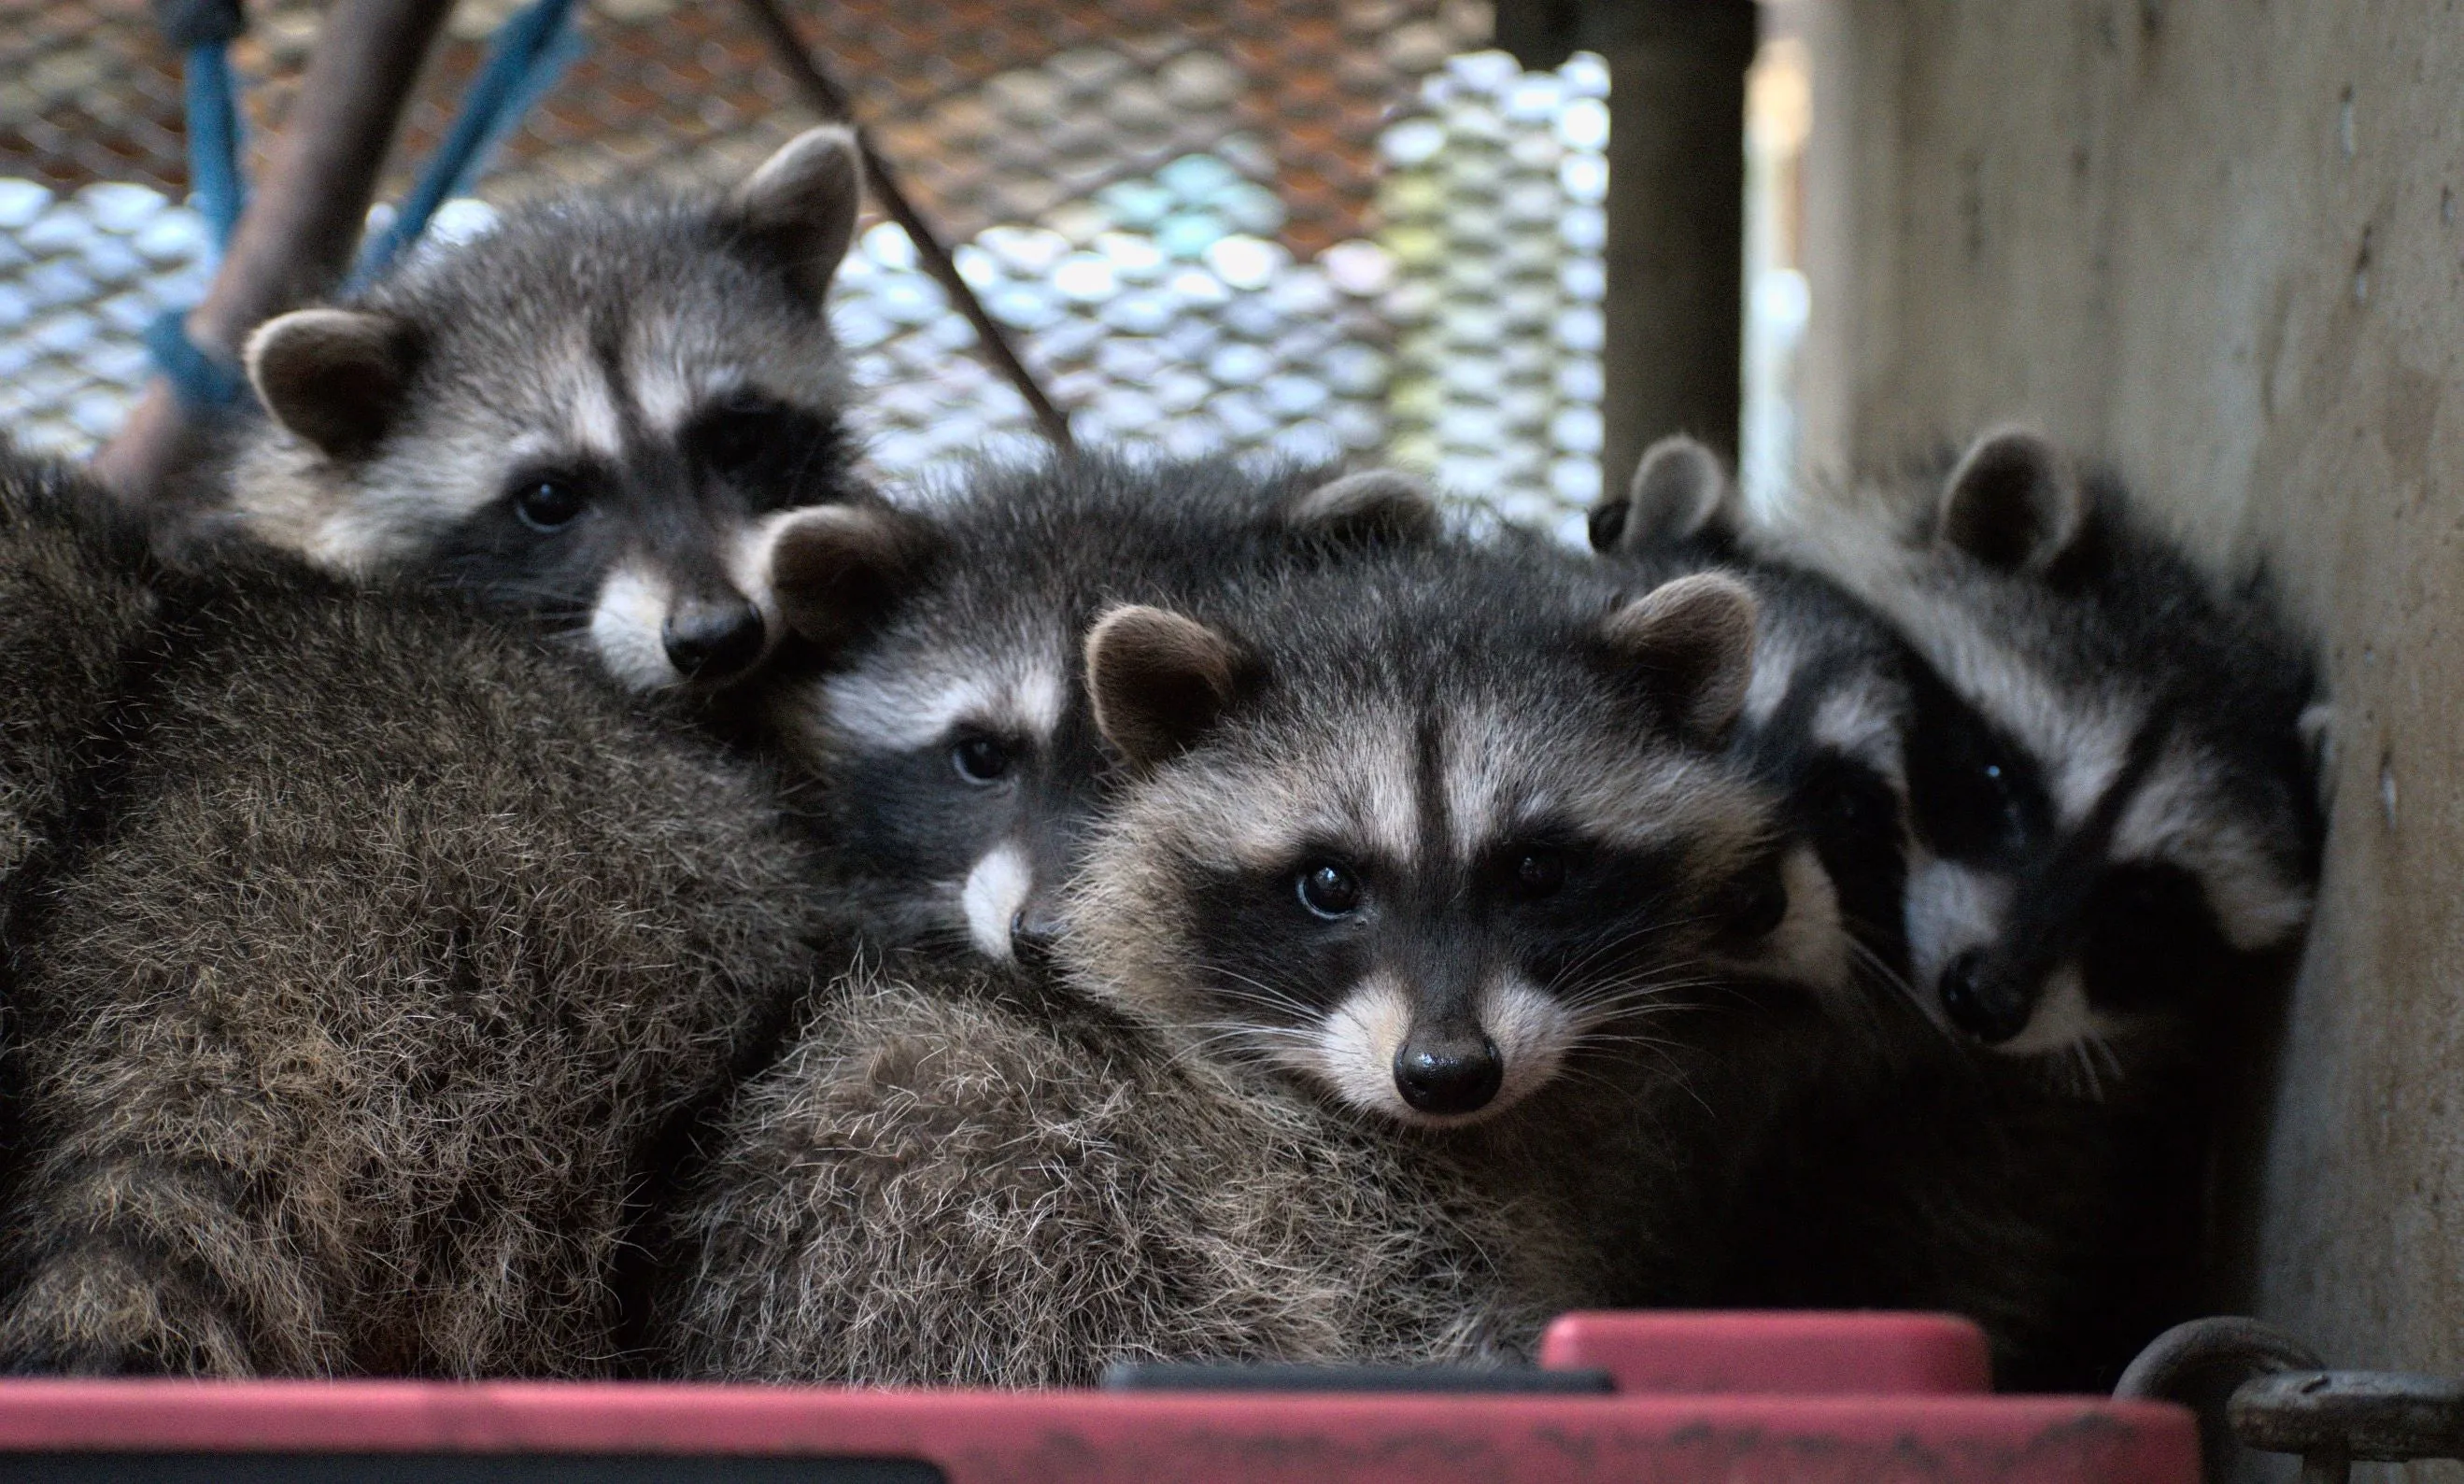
point(140, 1267)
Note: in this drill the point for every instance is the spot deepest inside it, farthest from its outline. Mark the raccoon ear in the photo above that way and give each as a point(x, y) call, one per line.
point(836, 570)
point(333, 377)
point(802, 204)
point(1680, 490)
point(1373, 507)
point(2013, 502)
point(1157, 680)
point(1693, 639)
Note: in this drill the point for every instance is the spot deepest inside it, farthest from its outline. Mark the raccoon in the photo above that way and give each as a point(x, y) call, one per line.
point(1423, 849)
point(371, 949)
point(74, 607)
point(964, 1176)
point(2113, 790)
point(586, 414)
point(932, 704)
point(2109, 828)
point(1397, 918)
point(1825, 722)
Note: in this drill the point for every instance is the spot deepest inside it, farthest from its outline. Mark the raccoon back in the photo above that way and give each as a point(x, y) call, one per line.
point(972, 1188)
point(394, 944)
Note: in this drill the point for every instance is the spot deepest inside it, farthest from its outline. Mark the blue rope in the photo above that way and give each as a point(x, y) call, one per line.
point(203, 29)
point(530, 52)
point(203, 383)
point(214, 138)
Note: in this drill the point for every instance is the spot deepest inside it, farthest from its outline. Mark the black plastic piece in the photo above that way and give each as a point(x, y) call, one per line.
point(1152, 1376)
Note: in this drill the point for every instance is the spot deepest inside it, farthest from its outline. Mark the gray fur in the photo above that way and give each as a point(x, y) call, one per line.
point(384, 951)
point(973, 1177)
point(2153, 721)
point(663, 363)
point(959, 618)
point(961, 1180)
point(1825, 721)
point(74, 608)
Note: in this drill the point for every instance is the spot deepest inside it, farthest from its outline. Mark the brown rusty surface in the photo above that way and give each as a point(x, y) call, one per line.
point(89, 90)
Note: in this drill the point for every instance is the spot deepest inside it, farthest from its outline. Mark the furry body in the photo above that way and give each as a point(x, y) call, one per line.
point(345, 1031)
point(958, 1176)
point(73, 609)
point(1962, 1182)
point(968, 1180)
point(939, 717)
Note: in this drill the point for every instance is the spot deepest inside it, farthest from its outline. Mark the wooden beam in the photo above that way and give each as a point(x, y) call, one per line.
point(1673, 361)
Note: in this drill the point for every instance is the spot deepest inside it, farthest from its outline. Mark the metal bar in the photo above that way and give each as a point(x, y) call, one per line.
point(2378, 1416)
point(296, 237)
point(2203, 1347)
point(832, 102)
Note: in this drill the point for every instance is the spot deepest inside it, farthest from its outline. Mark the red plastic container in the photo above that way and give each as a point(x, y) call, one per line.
point(1701, 1399)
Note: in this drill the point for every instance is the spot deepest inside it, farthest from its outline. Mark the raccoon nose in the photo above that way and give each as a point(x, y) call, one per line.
point(1450, 1077)
point(1032, 932)
point(712, 640)
point(1987, 1005)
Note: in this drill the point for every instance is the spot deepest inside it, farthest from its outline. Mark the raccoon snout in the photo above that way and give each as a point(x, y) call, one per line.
point(1989, 1006)
point(1448, 1077)
point(712, 640)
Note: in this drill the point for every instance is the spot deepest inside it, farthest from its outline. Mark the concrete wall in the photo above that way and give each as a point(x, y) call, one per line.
point(2221, 241)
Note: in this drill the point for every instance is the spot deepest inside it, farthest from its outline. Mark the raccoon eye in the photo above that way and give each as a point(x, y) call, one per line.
point(1758, 901)
point(2150, 938)
point(2005, 795)
point(1328, 891)
point(983, 759)
point(739, 432)
point(1540, 873)
point(547, 505)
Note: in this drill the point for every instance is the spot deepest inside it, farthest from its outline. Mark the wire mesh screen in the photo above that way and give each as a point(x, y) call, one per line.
point(1333, 228)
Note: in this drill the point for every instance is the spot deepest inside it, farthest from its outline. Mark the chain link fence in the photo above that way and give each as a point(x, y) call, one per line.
point(1333, 227)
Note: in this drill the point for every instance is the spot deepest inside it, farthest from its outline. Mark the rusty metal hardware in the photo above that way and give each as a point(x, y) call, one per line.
point(2380, 1416)
point(2223, 1344)
point(2293, 1404)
